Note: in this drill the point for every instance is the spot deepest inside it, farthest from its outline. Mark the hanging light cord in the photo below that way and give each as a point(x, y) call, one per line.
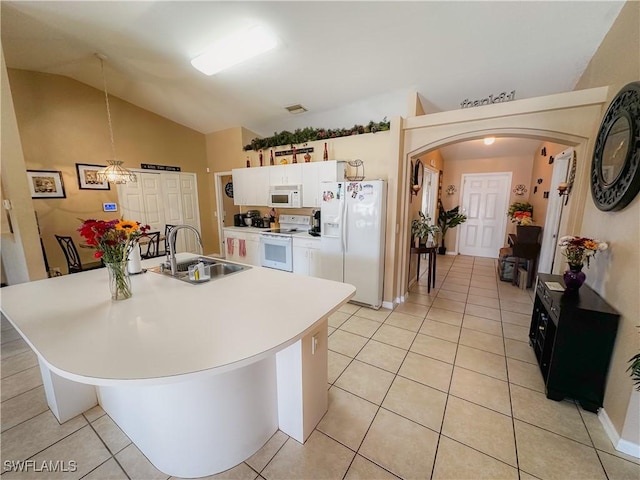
point(106, 99)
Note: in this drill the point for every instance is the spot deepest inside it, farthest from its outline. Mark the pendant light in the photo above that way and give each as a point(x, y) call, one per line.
point(114, 172)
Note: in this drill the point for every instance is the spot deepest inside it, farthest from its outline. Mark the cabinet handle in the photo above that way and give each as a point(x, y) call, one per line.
point(541, 328)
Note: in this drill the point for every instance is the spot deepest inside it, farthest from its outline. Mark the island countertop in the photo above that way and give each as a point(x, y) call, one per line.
point(168, 328)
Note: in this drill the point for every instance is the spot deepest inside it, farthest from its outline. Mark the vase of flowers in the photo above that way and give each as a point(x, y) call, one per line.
point(578, 251)
point(521, 213)
point(113, 240)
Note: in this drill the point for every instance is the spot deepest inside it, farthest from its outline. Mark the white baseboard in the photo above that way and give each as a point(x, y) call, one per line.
point(388, 305)
point(451, 253)
point(619, 444)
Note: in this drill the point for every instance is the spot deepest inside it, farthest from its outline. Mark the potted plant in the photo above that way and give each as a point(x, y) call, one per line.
point(448, 219)
point(521, 213)
point(634, 368)
point(421, 228)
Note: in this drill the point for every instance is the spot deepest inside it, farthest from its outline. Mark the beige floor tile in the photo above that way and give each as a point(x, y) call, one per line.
point(20, 383)
point(520, 351)
point(482, 324)
point(398, 337)
point(360, 326)
point(481, 282)
point(526, 476)
point(481, 389)
point(484, 312)
point(516, 318)
point(346, 343)
point(94, 413)
point(427, 371)
point(82, 446)
point(417, 402)
point(412, 309)
point(517, 307)
point(481, 362)
point(239, 472)
point(110, 434)
point(338, 318)
point(515, 332)
point(400, 445)
point(599, 436)
point(562, 418)
point(13, 348)
point(445, 316)
point(483, 301)
point(482, 341)
point(363, 469)
point(9, 335)
point(36, 434)
point(480, 428)
point(377, 315)
point(319, 458)
point(348, 418)
point(262, 457)
point(109, 470)
point(403, 320)
point(453, 287)
point(330, 330)
point(337, 364)
point(434, 348)
point(476, 465)
point(18, 363)
point(382, 355)
point(419, 298)
point(366, 381)
point(525, 375)
point(484, 291)
point(349, 308)
point(440, 330)
point(487, 270)
point(137, 466)
point(453, 279)
point(550, 456)
point(618, 468)
point(450, 295)
point(513, 294)
point(23, 407)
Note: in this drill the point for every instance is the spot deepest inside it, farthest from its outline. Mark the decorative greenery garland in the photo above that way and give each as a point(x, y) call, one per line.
point(309, 134)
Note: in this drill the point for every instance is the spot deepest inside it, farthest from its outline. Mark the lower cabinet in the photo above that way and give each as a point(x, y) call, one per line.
point(306, 256)
point(233, 250)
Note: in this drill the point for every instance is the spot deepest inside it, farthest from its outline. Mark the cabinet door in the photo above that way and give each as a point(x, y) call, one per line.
point(253, 249)
point(258, 186)
point(240, 186)
point(301, 260)
point(314, 262)
point(310, 185)
point(277, 175)
point(293, 174)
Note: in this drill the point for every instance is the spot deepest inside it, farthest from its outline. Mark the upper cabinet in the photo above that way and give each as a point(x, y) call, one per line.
point(316, 172)
point(250, 186)
point(285, 174)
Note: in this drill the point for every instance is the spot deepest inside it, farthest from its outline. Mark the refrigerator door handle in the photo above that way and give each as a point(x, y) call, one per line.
point(343, 226)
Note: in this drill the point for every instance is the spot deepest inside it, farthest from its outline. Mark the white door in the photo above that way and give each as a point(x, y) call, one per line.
point(152, 193)
point(173, 206)
point(190, 210)
point(484, 202)
point(131, 201)
point(554, 211)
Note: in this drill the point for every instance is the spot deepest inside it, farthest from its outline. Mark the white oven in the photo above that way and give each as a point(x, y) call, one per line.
point(276, 251)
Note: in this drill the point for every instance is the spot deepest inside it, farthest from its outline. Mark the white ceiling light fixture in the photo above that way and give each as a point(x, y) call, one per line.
point(114, 172)
point(489, 140)
point(234, 49)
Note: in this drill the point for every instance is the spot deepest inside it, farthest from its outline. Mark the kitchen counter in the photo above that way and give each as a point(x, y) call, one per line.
point(246, 229)
point(245, 342)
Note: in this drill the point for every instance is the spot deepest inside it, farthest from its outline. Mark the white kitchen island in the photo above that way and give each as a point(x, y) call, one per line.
point(198, 376)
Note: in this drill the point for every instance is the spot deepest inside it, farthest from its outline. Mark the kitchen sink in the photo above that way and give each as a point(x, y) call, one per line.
point(217, 268)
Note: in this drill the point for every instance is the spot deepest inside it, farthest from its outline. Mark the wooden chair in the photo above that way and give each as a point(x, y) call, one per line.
point(153, 245)
point(74, 264)
point(167, 230)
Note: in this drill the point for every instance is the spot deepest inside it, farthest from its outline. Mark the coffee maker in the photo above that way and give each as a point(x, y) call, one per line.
point(315, 224)
point(238, 220)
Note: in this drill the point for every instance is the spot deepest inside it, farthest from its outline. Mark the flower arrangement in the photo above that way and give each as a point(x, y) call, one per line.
point(579, 250)
point(111, 238)
point(521, 213)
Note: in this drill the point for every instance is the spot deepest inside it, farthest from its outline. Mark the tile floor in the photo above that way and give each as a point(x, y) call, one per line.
point(445, 386)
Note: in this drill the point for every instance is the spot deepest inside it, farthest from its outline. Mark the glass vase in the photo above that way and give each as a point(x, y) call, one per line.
point(119, 281)
point(573, 279)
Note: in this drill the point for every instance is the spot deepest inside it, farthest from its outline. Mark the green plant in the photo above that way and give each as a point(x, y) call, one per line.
point(421, 227)
point(634, 368)
point(521, 208)
point(449, 219)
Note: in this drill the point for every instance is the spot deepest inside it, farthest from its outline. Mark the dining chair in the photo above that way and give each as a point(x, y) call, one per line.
point(153, 245)
point(74, 264)
point(167, 230)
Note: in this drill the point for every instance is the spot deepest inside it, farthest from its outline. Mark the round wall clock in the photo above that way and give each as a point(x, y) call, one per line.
point(228, 189)
point(615, 168)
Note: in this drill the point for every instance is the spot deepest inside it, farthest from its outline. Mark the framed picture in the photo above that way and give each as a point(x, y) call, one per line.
point(88, 177)
point(46, 184)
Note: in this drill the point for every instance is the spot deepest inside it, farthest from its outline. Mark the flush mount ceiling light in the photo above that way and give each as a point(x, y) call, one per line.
point(114, 172)
point(234, 49)
point(489, 140)
point(295, 109)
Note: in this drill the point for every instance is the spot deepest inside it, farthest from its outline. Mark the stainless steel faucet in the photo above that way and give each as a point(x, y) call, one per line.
point(171, 254)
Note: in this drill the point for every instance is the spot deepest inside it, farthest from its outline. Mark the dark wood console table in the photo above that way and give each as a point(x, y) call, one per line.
point(429, 249)
point(573, 338)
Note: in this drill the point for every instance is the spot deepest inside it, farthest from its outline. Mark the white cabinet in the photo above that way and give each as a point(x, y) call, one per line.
point(233, 250)
point(316, 172)
point(286, 174)
point(250, 186)
point(306, 256)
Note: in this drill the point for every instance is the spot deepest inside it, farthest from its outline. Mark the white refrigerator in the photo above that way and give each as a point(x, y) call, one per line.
point(352, 235)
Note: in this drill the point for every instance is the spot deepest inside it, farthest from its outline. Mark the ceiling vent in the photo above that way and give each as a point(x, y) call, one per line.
point(295, 109)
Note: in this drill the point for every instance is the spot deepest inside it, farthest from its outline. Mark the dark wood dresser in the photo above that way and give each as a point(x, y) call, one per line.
point(573, 338)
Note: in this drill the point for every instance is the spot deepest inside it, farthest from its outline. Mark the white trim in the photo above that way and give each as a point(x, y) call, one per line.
point(217, 185)
point(388, 305)
point(619, 444)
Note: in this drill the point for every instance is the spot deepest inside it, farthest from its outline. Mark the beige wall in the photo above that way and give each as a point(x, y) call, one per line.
point(616, 275)
point(63, 122)
point(542, 170)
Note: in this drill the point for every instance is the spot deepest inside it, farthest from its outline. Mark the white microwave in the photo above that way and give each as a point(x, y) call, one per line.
point(286, 196)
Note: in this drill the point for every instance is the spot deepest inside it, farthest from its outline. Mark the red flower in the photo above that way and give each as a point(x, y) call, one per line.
point(98, 254)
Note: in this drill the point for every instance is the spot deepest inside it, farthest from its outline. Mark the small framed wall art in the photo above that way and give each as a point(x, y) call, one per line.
point(88, 177)
point(46, 184)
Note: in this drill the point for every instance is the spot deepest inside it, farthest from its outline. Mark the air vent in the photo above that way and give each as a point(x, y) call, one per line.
point(295, 109)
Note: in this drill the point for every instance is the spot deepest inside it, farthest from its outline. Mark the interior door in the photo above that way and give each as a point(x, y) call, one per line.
point(484, 202)
point(190, 210)
point(173, 206)
point(152, 198)
point(554, 211)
